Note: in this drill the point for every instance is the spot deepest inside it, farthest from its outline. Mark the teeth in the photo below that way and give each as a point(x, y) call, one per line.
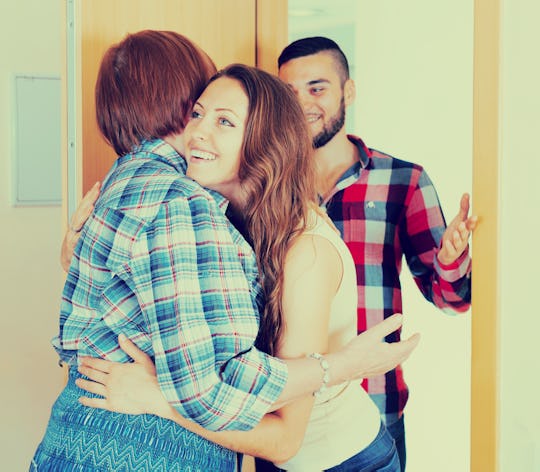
point(207, 156)
point(312, 118)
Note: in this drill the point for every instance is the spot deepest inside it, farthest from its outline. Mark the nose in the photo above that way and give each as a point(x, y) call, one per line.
point(199, 129)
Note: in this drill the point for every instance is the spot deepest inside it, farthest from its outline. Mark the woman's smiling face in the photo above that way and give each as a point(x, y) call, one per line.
point(214, 136)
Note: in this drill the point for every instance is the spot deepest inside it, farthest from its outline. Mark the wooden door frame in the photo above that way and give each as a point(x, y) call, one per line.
point(486, 239)
point(272, 32)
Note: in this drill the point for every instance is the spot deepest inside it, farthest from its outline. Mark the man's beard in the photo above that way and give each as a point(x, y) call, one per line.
point(332, 128)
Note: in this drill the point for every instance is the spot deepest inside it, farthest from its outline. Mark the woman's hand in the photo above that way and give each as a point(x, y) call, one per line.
point(368, 355)
point(125, 387)
point(78, 219)
point(133, 389)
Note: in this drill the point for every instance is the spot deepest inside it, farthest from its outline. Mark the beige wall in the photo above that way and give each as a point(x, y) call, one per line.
point(520, 230)
point(414, 101)
point(30, 276)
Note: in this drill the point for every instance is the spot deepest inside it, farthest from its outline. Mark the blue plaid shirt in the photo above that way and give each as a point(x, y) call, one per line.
point(159, 261)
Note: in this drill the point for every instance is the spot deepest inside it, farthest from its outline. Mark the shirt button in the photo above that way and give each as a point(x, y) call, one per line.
point(371, 204)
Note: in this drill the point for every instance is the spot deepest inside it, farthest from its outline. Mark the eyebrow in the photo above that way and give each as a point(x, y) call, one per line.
point(218, 109)
point(318, 81)
point(227, 109)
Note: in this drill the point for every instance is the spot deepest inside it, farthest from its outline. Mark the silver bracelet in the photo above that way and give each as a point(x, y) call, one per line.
point(326, 375)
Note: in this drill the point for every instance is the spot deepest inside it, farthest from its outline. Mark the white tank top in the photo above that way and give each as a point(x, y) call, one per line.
point(344, 419)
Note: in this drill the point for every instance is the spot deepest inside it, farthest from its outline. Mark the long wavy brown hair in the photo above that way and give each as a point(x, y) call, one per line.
point(277, 173)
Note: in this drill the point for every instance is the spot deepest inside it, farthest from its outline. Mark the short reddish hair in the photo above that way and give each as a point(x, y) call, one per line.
point(147, 85)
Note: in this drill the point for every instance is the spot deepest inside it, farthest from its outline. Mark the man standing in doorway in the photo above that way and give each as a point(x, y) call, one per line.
point(384, 208)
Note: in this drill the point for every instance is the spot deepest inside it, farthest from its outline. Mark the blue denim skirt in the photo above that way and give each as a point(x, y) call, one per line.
point(84, 439)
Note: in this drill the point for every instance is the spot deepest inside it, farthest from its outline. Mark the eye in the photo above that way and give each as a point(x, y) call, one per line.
point(225, 122)
point(195, 114)
point(317, 90)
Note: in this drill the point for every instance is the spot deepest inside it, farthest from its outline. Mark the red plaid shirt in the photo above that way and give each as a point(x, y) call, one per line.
point(386, 208)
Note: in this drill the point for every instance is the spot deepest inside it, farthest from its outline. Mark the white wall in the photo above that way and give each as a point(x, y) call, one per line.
point(30, 278)
point(414, 83)
point(520, 229)
point(412, 66)
point(408, 106)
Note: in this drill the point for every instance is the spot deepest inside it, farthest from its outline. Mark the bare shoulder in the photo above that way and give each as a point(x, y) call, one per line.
point(315, 256)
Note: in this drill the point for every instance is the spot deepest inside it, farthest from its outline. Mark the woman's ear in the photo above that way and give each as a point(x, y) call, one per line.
point(349, 91)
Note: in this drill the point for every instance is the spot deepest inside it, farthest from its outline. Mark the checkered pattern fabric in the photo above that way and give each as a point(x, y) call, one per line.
point(159, 261)
point(386, 208)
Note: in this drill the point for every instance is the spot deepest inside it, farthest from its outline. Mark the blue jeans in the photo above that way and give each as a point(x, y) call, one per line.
point(379, 456)
point(397, 431)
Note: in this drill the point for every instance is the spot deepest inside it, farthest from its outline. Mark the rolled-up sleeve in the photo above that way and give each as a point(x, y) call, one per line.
point(447, 287)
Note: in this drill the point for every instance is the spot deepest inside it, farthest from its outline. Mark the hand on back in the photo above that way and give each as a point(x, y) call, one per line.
point(371, 356)
point(78, 219)
point(130, 388)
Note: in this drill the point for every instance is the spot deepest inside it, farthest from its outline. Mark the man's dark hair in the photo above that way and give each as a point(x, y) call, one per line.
point(308, 46)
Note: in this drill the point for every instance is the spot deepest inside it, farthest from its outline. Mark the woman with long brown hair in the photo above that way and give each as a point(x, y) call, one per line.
point(248, 140)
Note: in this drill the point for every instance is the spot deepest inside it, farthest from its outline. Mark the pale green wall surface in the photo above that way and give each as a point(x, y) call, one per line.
point(31, 277)
point(520, 230)
point(412, 64)
point(414, 85)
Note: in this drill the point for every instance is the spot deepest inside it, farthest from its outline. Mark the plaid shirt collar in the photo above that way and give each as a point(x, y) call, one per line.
point(162, 151)
point(352, 174)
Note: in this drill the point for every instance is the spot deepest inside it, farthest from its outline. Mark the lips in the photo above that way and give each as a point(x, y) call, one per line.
point(204, 155)
point(312, 118)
